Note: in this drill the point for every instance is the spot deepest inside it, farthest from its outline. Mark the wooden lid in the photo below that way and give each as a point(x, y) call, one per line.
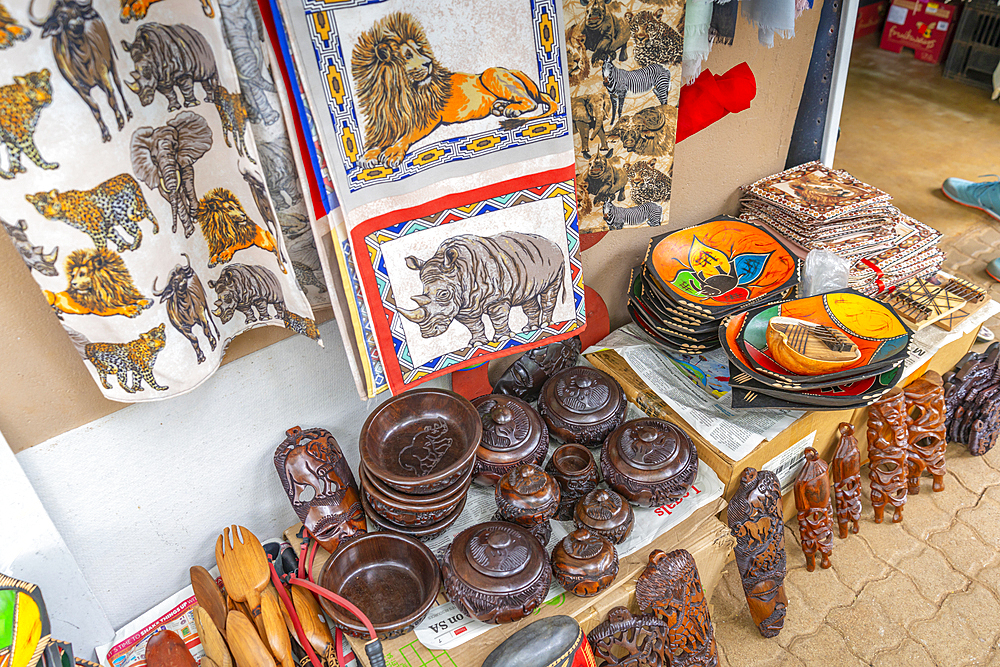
point(512, 430)
point(528, 495)
point(582, 396)
point(497, 558)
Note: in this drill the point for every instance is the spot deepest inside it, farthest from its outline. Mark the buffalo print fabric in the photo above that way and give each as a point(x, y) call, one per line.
point(132, 189)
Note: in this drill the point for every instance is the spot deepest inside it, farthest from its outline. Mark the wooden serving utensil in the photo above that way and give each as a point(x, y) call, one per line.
point(166, 649)
point(211, 639)
point(209, 597)
point(308, 610)
point(243, 565)
point(246, 644)
point(277, 636)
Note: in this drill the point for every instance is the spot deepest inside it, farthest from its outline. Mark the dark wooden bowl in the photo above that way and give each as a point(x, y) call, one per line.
point(428, 532)
point(407, 514)
point(422, 441)
point(574, 468)
point(606, 513)
point(393, 579)
point(585, 563)
point(461, 487)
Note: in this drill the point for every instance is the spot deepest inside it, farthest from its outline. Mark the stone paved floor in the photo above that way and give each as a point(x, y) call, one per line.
point(922, 592)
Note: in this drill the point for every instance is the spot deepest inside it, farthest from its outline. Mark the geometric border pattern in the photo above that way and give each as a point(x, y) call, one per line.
point(413, 373)
point(371, 346)
point(343, 111)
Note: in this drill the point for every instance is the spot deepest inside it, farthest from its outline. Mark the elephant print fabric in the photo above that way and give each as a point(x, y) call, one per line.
point(625, 60)
point(121, 197)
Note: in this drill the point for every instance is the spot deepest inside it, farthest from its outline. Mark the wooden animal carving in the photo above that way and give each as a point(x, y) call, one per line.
point(626, 641)
point(925, 430)
point(806, 348)
point(887, 454)
point(971, 394)
point(670, 587)
point(846, 467)
point(812, 500)
point(755, 520)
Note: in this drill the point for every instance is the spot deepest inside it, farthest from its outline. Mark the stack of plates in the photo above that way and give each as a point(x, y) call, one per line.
point(828, 209)
point(759, 381)
point(693, 278)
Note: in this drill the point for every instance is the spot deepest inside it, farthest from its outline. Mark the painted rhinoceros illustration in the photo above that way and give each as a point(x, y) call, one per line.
point(471, 275)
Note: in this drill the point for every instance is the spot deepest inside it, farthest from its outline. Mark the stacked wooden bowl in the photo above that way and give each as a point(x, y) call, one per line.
point(418, 450)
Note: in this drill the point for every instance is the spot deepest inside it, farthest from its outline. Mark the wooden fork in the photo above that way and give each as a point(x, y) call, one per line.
point(243, 565)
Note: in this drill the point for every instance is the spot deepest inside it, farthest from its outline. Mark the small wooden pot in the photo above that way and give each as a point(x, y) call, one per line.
point(582, 405)
point(605, 513)
point(527, 495)
point(574, 468)
point(650, 462)
point(513, 433)
point(584, 563)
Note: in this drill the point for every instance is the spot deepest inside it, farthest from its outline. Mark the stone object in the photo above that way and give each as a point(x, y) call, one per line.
point(650, 462)
point(557, 641)
point(846, 466)
point(574, 468)
point(583, 405)
point(584, 563)
point(513, 433)
point(812, 500)
point(606, 513)
point(887, 454)
point(925, 427)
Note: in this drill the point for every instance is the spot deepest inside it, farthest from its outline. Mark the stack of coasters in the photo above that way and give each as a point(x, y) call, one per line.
point(828, 209)
point(850, 321)
point(695, 277)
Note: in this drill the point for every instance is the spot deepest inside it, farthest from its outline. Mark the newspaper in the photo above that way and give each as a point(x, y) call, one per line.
point(446, 627)
point(704, 402)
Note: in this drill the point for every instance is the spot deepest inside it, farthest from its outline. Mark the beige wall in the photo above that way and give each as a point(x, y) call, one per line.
point(45, 389)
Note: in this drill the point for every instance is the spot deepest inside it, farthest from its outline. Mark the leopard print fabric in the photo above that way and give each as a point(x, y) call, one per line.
point(136, 357)
point(21, 103)
point(98, 212)
point(233, 115)
point(655, 41)
point(648, 182)
point(300, 325)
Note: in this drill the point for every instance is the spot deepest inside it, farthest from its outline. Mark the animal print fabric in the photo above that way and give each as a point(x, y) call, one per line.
point(624, 59)
point(139, 209)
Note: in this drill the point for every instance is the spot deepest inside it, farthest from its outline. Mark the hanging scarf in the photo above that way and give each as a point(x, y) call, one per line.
point(697, 19)
point(772, 17)
point(722, 30)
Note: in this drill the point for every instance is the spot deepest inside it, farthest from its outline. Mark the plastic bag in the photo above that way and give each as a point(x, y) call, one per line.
point(824, 272)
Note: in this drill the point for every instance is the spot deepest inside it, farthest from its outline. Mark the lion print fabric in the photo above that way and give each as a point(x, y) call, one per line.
point(624, 59)
point(132, 188)
point(447, 132)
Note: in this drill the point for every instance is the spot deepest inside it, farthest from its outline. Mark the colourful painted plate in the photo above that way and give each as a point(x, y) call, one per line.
point(651, 317)
point(667, 303)
point(721, 265)
point(745, 399)
point(874, 327)
point(861, 391)
point(665, 342)
point(642, 292)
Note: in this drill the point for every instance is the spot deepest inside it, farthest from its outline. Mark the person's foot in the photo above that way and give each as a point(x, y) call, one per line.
point(984, 195)
point(993, 269)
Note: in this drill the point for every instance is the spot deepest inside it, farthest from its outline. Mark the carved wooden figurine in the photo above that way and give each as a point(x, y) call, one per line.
point(925, 430)
point(812, 500)
point(887, 450)
point(755, 519)
point(623, 640)
point(846, 467)
point(670, 587)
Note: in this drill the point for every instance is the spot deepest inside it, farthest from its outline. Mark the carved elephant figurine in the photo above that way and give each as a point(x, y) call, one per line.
point(163, 158)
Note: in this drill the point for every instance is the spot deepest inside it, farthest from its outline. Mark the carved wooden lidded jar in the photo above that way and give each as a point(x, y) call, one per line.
point(585, 563)
point(604, 512)
point(650, 462)
point(528, 496)
point(583, 405)
point(513, 433)
point(496, 572)
point(574, 468)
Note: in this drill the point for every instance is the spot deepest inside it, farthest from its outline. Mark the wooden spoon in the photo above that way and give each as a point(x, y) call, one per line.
point(243, 565)
point(209, 597)
point(274, 624)
point(211, 639)
point(166, 649)
point(247, 647)
point(308, 610)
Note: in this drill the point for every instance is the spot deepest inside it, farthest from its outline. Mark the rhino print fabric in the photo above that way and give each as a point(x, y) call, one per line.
point(457, 233)
point(116, 223)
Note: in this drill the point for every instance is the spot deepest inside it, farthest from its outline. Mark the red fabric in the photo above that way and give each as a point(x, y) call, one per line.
point(711, 97)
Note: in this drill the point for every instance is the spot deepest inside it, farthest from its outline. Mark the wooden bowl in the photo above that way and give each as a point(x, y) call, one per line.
point(421, 441)
point(461, 487)
point(410, 514)
point(393, 579)
point(427, 532)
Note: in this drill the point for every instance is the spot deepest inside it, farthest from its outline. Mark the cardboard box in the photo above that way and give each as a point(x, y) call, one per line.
point(925, 27)
point(870, 18)
point(702, 534)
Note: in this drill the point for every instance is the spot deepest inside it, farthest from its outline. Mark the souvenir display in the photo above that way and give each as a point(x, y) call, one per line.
point(556, 641)
point(670, 588)
point(574, 468)
point(846, 467)
point(828, 209)
point(584, 563)
point(311, 465)
point(887, 454)
point(925, 430)
point(144, 217)
point(921, 302)
point(815, 512)
point(393, 579)
point(623, 640)
point(650, 462)
point(604, 512)
point(513, 433)
point(496, 572)
point(970, 392)
point(527, 495)
point(755, 519)
point(450, 213)
point(582, 405)
point(525, 377)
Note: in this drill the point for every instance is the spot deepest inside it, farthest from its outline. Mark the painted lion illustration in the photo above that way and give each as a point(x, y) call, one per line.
point(99, 284)
point(405, 94)
point(227, 228)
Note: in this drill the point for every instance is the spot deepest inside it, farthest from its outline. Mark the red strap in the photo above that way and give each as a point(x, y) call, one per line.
point(878, 275)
